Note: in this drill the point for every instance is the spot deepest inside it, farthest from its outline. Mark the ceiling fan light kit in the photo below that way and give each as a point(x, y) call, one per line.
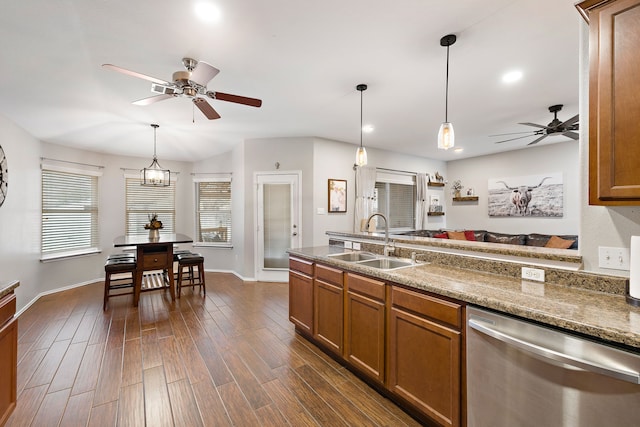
point(191, 83)
point(446, 136)
point(361, 152)
point(154, 175)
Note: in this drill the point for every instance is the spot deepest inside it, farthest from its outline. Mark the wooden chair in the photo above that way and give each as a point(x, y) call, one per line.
point(120, 273)
point(188, 261)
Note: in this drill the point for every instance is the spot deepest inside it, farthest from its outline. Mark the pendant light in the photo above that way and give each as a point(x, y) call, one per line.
point(154, 175)
point(361, 153)
point(446, 138)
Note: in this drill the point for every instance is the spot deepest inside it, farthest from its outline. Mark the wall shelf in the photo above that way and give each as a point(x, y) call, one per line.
point(466, 199)
point(435, 184)
point(435, 213)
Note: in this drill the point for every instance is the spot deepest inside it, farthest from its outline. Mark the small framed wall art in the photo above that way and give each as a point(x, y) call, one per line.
point(337, 195)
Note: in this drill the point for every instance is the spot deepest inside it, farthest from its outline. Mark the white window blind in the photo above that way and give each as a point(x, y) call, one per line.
point(395, 198)
point(69, 213)
point(142, 202)
point(213, 211)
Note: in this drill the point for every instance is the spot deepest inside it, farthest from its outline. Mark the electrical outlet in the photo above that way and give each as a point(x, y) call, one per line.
point(613, 258)
point(533, 274)
point(356, 246)
point(348, 245)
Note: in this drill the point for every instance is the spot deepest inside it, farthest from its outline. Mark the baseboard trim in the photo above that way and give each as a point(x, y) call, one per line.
point(55, 291)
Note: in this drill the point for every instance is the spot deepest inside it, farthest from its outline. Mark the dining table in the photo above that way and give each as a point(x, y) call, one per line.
point(153, 254)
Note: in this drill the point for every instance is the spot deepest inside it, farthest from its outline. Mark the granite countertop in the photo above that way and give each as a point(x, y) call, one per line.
point(597, 314)
point(8, 287)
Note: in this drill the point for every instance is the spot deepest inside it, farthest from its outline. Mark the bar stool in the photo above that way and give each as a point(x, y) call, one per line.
point(189, 261)
point(122, 255)
point(125, 269)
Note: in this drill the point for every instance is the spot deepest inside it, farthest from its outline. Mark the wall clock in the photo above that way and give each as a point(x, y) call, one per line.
point(4, 176)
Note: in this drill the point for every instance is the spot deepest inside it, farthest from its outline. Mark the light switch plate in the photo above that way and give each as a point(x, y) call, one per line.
point(356, 246)
point(533, 274)
point(613, 258)
point(348, 245)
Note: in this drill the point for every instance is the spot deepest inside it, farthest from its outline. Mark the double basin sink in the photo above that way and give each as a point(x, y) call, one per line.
point(372, 260)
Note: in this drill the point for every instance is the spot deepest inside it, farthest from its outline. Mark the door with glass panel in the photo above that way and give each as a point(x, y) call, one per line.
point(278, 223)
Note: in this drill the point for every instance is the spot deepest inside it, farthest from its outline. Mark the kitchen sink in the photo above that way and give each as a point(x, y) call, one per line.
point(353, 256)
point(386, 263)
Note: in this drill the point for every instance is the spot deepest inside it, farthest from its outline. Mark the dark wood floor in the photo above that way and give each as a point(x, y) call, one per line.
point(230, 358)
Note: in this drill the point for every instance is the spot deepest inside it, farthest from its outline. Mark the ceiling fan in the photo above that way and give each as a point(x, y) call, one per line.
point(191, 83)
point(566, 128)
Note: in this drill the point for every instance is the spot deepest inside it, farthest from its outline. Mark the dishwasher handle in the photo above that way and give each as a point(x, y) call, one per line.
point(556, 356)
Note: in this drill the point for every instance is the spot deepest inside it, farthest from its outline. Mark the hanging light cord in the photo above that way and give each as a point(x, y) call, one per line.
point(361, 118)
point(155, 127)
point(446, 96)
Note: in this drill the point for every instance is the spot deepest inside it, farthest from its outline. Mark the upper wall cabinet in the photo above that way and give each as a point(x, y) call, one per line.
point(614, 101)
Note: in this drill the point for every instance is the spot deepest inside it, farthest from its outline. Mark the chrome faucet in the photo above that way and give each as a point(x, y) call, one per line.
point(388, 249)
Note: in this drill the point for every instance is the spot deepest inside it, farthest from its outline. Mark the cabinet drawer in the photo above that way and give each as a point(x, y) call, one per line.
point(365, 286)
point(435, 308)
point(7, 308)
point(157, 260)
point(301, 265)
point(329, 275)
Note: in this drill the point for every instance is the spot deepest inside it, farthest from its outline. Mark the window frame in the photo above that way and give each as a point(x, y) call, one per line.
point(225, 179)
point(389, 178)
point(47, 209)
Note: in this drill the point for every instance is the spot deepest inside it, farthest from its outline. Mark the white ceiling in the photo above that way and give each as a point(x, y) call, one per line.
point(303, 58)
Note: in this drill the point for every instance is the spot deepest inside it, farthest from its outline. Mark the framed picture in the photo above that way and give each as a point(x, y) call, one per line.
point(337, 195)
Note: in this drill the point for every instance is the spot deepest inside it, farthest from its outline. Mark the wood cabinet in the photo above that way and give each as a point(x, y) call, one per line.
point(8, 356)
point(425, 354)
point(614, 104)
point(364, 327)
point(301, 294)
point(328, 291)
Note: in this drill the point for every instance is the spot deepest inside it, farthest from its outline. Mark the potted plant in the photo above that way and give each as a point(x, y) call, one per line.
point(456, 187)
point(154, 226)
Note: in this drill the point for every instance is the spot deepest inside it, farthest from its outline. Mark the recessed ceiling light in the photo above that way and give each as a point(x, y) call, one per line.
point(512, 76)
point(367, 128)
point(458, 150)
point(207, 11)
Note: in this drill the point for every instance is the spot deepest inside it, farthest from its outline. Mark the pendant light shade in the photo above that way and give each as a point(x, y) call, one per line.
point(361, 153)
point(154, 175)
point(446, 138)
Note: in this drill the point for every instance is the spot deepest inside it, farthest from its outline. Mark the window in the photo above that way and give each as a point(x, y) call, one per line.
point(213, 211)
point(142, 202)
point(395, 195)
point(69, 212)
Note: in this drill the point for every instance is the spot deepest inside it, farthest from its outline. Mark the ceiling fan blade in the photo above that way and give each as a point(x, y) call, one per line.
point(572, 135)
point(513, 139)
point(253, 102)
point(530, 132)
point(571, 121)
point(206, 108)
point(135, 74)
point(534, 125)
point(203, 73)
point(538, 140)
point(152, 99)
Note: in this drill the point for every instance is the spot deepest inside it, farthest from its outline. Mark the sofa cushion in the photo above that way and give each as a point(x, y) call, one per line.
point(456, 235)
point(538, 240)
point(471, 236)
point(443, 235)
point(558, 243)
point(510, 239)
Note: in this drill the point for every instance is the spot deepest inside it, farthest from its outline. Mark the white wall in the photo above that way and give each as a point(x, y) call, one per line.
point(475, 172)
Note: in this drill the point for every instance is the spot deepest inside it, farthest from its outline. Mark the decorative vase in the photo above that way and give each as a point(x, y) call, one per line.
point(154, 233)
point(456, 193)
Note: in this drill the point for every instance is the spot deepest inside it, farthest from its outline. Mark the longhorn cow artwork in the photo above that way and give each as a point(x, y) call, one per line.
point(526, 196)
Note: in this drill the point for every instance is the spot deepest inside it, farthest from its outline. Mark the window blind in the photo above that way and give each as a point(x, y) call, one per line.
point(142, 202)
point(397, 202)
point(213, 212)
point(69, 213)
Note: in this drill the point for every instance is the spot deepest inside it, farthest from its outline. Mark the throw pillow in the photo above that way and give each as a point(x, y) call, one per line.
point(456, 235)
point(470, 235)
point(441, 235)
point(559, 243)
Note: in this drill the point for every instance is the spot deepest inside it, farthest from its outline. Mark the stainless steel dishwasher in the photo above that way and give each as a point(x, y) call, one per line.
point(521, 374)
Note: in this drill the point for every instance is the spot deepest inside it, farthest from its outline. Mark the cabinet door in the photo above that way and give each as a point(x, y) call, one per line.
point(614, 104)
point(8, 364)
point(364, 335)
point(424, 365)
point(328, 304)
point(301, 301)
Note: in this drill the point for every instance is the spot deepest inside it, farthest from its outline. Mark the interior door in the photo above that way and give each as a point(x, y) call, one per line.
point(278, 223)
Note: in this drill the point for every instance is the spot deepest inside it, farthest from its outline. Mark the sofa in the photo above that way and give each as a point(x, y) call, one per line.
point(567, 241)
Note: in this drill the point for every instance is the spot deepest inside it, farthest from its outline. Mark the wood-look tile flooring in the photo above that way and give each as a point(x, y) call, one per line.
point(230, 358)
